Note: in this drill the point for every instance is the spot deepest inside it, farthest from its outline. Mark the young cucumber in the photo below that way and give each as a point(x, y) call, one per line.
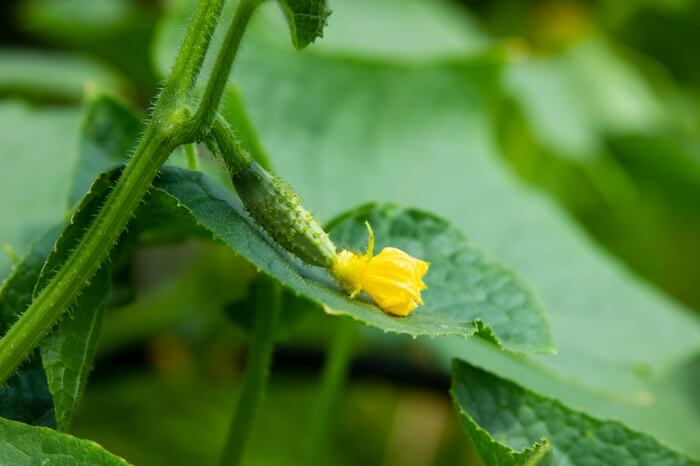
point(277, 209)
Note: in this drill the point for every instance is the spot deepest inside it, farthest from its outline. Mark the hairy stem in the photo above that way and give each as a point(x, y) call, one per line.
point(191, 156)
point(235, 157)
point(191, 54)
point(267, 309)
point(87, 257)
point(165, 131)
point(208, 105)
point(335, 372)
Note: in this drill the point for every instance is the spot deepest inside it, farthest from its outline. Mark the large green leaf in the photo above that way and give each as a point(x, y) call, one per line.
point(21, 444)
point(510, 425)
point(419, 31)
point(373, 123)
point(340, 149)
point(491, 301)
point(465, 286)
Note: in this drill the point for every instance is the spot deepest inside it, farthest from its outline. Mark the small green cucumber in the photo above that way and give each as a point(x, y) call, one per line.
point(277, 209)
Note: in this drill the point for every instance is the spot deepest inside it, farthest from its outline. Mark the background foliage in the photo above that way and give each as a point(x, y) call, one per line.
point(561, 137)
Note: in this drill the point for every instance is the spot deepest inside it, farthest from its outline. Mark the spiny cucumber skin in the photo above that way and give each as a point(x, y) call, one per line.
point(277, 209)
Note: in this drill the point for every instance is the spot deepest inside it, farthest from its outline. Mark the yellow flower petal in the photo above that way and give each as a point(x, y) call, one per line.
point(393, 278)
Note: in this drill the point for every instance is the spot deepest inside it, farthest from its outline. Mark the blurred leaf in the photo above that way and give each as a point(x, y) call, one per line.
point(60, 16)
point(663, 167)
point(306, 19)
point(38, 151)
point(422, 135)
point(574, 98)
point(109, 130)
point(661, 30)
point(506, 420)
point(421, 31)
point(494, 304)
point(50, 75)
point(25, 397)
point(23, 444)
point(115, 31)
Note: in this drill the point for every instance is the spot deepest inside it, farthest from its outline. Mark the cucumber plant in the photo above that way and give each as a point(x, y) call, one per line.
point(428, 281)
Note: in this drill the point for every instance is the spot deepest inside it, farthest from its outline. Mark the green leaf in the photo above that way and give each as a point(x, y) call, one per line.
point(114, 31)
point(511, 425)
point(38, 153)
point(493, 302)
point(576, 98)
point(340, 150)
point(69, 351)
point(54, 76)
point(25, 397)
point(109, 130)
point(466, 287)
point(21, 444)
point(306, 19)
point(43, 164)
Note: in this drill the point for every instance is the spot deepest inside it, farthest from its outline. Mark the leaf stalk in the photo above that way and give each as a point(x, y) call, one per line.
point(255, 378)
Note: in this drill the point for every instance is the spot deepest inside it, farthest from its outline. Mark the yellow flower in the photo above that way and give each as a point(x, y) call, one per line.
point(392, 278)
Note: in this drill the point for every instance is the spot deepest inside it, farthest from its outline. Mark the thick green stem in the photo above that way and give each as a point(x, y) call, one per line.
point(191, 156)
point(208, 105)
point(191, 54)
point(267, 309)
point(88, 256)
point(165, 131)
point(333, 379)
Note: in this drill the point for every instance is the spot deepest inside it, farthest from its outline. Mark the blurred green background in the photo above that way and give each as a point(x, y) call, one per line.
point(589, 109)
